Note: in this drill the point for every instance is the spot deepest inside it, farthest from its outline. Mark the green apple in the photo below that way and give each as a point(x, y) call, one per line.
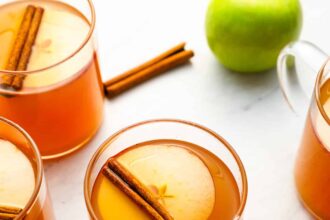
point(247, 35)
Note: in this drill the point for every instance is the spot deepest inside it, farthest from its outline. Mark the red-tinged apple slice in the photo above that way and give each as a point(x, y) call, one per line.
point(177, 176)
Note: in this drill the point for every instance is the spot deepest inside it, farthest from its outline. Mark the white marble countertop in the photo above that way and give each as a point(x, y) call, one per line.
point(248, 110)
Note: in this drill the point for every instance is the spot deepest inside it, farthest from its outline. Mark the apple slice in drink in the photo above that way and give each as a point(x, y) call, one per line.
point(178, 177)
point(60, 33)
point(17, 180)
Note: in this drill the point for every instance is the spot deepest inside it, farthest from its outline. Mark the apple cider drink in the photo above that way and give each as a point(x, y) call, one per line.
point(23, 193)
point(312, 171)
point(163, 179)
point(58, 97)
point(189, 181)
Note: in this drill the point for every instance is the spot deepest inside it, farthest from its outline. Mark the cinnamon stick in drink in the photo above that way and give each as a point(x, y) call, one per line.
point(7, 216)
point(118, 182)
point(15, 55)
point(137, 186)
point(31, 37)
point(133, 188)
point(16, 52)
point(27, 49)
point(9, 213)
point(21, 51)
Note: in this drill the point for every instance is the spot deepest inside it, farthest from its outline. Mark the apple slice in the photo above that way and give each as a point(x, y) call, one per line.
point(177, 176)
point(17, 179)
point(62, 31)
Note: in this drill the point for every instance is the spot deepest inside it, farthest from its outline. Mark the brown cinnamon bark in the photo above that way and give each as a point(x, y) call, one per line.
point(27, 49)
point(138, 187)
point(8, 213)
point(123, 186)
point(21, 38)
point(176, 49)
point(144, 74)
point(32, 35)
point(8, 209)
point(15, 55)
point(22, 48)
point(7, 216)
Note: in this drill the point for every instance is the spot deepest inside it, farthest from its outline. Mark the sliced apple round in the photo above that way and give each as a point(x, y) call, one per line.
point(177, 176)
point(17, 179)
point(61, 32)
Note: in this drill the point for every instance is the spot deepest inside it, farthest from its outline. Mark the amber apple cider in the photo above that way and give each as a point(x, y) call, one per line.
point(60, 106)
point(18, 182)
point(191, 182)
point(312, 171)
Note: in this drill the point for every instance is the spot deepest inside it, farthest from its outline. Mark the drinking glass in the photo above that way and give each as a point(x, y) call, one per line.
point(167, 129)
point(301, 82)
point(60, 105)
point(39, 206)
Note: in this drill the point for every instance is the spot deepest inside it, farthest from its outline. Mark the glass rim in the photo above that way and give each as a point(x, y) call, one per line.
point(317, 93)
point(104, 146)
point(39, 167)
point(76, 51)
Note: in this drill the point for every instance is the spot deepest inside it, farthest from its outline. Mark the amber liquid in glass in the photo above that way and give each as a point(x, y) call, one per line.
point(62, 109)
point(312, 171)
point(18, 181)
point(111, 203)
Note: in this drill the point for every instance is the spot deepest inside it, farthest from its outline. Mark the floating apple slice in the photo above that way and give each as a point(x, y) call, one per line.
point(17, 179)
point(61, 31)
point(177, 176)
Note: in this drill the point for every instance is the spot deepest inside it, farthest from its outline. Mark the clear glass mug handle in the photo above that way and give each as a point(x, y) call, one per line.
point(297, 67)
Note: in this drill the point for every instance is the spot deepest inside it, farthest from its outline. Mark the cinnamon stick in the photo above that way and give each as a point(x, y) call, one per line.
point(31, 37)
point(7, 216)
point(147, 73)
point(138, 188)
point(27, 49)
point(6, 80)
point(175, 49)
point(9, 213)
point(21, 51)
point(21, 38)
point(130, 193)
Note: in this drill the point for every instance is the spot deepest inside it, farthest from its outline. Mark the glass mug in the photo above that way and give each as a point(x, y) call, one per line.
point(298, 66)
point(61, 102)
point(39, 205)
point(229, 175)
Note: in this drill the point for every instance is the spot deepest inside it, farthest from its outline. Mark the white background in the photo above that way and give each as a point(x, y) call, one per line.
point(248, 110)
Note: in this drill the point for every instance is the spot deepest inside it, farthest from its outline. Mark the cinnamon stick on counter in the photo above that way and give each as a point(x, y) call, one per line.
point(9, 213)
point(134, 189)
point(166, 61)
point(21, 51)
point(166, 54)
